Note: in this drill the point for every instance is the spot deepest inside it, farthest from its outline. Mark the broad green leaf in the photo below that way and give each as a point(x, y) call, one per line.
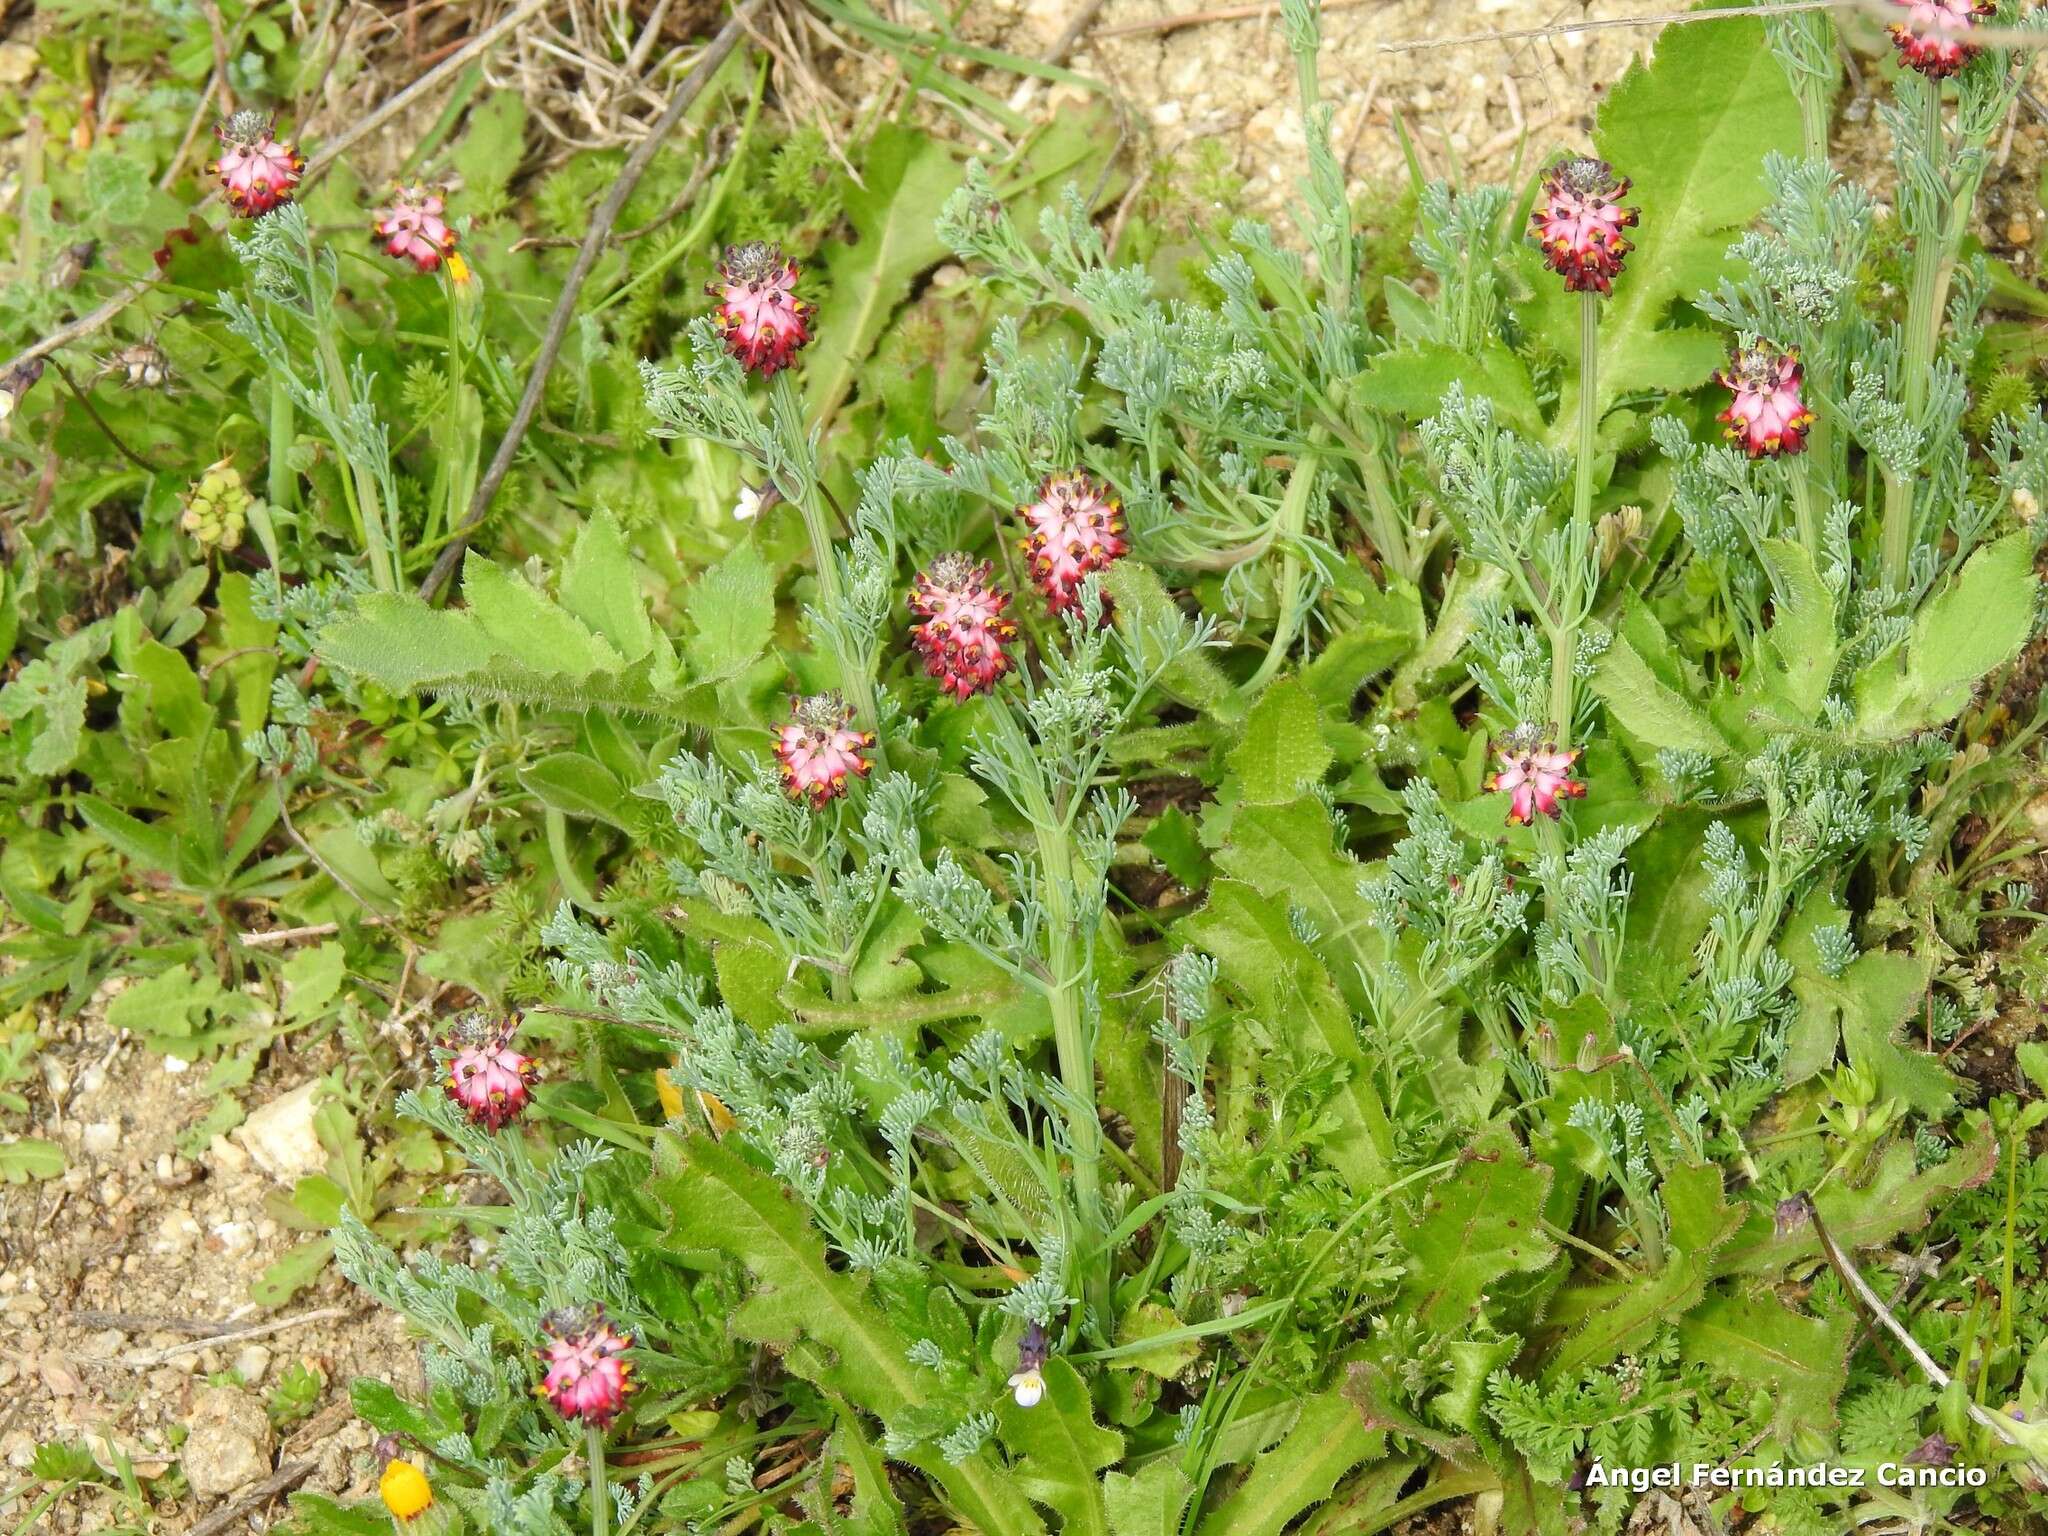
point(822, 1321)
point(29, 1157)
point(1148, 1320)
point(1648, 709)
point(1475, 1225)
point(153, 845)
point(1149, 1502)
point(1758, 1342)
point(1976, 625)
point(1864, 1009)
point(1284, 983)
point(1282, 752)
point(165, 1008)
point(1327, 1441)
point(1059, 1449)
point(175, 697)
point(1690, 130)
point(906, 176)
point(876, 1509)
point(1193, 678)
point(312, 980)
point(1411, 381)
point(732, 610)
point(1800, 652)
point(1898, 1197)
point(489, 151)
point(601, 586)
point(1609, 1317)
point(527, 627)
point(577, 785)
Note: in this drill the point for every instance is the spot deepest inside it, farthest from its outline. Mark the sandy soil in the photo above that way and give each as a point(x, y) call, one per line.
point(113, 1276)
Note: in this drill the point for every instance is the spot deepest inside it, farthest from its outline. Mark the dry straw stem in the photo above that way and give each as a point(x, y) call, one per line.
point(1851, 1276)
point(565, 307)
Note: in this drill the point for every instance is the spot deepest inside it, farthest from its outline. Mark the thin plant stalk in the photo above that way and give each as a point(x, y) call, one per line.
point(600, 1496)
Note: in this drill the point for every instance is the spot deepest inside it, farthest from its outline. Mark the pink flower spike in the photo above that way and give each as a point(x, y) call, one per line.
point(1578, 220)
point(1933, 37)
point(486, 1076)
point(818, 749)
point(765, 323)
point(1535, 774)
point(413, 228)
point(1076, 527)
point(256, 170)
point(1768, 416)
point(587, 1379)
point(964, 632)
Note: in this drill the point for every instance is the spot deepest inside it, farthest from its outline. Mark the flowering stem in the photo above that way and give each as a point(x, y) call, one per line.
point(1924, 305)
point(1564, 631)
point(600, 1496)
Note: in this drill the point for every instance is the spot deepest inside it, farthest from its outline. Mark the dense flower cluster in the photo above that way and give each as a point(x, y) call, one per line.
point(1076, 527)
point(1932, 38)
point(588, 1378)
point(257, 171)
point(1578, 220)
point(486, 1075)
point(1536, 774)
point(412, 227)
point(963, 633)
point(819, 750)
point(1768, 415)
point(765, 323)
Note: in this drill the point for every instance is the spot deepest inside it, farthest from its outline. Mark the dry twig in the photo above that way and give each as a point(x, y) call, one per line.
point(572, 286)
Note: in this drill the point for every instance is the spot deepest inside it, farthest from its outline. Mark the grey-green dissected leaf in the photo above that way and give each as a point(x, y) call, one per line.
point(577, 785)
point(28, 1157)
point(1327, 1441)
point(1800, 651)
point(1061, 1449)
point(1476, 1224)
point(1977, 624)
point(1282, 752)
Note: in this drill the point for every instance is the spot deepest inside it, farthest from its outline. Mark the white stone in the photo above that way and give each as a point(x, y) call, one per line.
point(281, 1138)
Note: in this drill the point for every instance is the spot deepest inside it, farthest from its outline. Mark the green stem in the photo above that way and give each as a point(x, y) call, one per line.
point(1289, 522)
point(1564, 620)
point(1802, 505)
point(1923, 325)
point(600, 1496)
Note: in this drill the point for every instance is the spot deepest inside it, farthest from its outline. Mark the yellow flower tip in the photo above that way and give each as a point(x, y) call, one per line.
point(405, 1490)
point(458, 270)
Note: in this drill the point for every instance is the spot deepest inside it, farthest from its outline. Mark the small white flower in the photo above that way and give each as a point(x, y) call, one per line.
point(1027, 1387)
point(748, 507)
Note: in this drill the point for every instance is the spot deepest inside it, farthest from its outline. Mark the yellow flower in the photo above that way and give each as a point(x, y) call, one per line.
point(405, 1490)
